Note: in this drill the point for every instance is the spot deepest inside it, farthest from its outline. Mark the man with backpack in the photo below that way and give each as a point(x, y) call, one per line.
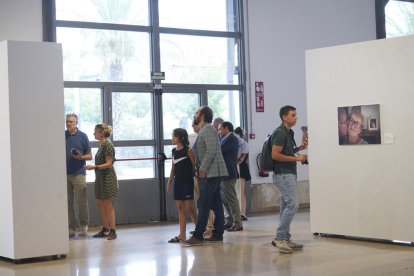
point(285, 176)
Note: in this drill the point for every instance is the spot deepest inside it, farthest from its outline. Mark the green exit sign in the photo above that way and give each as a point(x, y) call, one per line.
point(157, 75)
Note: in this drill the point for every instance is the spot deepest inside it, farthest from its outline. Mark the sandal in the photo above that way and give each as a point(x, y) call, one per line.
point(174, 240)
point(101, 234)
point(112, 235)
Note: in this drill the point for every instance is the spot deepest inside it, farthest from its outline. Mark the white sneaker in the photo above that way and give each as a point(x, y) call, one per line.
point(282, 246)
point(294, 246)
point(83, 231)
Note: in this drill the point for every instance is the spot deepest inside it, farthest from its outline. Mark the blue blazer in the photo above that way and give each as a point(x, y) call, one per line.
point(230, 149)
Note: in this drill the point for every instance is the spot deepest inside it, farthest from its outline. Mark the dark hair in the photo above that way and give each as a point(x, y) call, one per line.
point(239, 131)
point(227, 125)
point(182, 136)
point(207, 113)
point(285, 110)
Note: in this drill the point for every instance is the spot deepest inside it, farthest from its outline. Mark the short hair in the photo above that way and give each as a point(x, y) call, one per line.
point(239, 131)
point(182, 136)
point(342, 110)
point(72, 115)
point(285, 110)
point(207, 114)
point(218, 120)
point(105, 129)
point(227, 125)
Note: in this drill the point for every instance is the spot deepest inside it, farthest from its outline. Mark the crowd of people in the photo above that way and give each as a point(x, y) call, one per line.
point(205, 169)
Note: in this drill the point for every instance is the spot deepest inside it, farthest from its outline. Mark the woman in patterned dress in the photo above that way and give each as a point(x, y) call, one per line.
point(106, 182)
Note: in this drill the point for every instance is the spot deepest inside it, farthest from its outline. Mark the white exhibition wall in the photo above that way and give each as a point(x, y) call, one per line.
point(21, 20)
point(33, 193)
point(277, 35)
point(362, 190)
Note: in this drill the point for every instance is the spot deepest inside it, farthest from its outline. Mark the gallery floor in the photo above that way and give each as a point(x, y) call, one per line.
point(143, 250)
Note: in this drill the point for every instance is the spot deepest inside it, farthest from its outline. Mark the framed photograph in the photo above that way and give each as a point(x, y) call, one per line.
point(372, 124)
point(359, 124)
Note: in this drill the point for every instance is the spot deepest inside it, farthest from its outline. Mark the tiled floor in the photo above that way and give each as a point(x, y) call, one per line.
point(143, 250)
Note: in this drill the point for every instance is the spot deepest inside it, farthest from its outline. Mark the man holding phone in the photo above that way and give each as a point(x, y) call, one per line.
point(285, 176)
point(78, 150)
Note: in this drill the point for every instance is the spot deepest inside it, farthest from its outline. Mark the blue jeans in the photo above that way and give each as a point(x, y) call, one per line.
point(289, 203)
point(210, 199)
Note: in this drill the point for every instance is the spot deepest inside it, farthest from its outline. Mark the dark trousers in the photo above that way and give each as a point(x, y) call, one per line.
point(210, 199)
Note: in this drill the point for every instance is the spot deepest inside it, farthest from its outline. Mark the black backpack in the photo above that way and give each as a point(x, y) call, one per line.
point(266, 162)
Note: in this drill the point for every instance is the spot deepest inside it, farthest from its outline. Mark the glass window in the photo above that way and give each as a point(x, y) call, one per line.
point(178, 111)
point(195, 59)
point(104, 55)
point(124, 169)
point(225, 104)
point(215, 15)
point(132, 12)
point(87, 104)
point(132, 116)
point(90, 175)
point(134, 169)
point(399, 18)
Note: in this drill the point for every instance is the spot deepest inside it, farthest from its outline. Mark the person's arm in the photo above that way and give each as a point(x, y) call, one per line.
point(108, 164)
point(303, 146)
point(191, 156)
point(86, 156)
point(241, 158)
point(86, 149)
point(277, 155)
point(170, 179)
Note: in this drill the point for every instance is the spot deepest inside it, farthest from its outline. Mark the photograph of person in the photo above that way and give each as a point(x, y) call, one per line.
point(372, 124)
point(359, 125)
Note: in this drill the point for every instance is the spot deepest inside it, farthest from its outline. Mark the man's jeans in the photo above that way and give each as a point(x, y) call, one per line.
point(210, 199)
point(76, 184)
point(231, 203)
point(289, 203)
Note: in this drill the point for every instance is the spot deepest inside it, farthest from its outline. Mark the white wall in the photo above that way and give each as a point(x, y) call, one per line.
point(33, 169)
point(362, 191)
point(278, 33)
point(21, 20)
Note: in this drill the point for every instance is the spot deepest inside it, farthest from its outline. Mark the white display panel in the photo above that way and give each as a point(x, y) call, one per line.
point(33, 193)
point(362, 191)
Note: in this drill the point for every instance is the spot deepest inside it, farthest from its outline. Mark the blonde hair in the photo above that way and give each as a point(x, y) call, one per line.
point(359, 115)
point(105, 129)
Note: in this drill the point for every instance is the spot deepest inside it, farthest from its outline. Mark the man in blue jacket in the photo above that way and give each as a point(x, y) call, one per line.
point(230, 148)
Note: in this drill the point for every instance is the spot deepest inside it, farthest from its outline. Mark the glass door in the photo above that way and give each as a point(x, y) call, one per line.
point(178, 108)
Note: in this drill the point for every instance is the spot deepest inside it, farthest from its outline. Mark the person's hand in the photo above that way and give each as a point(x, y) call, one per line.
point(304, 145)
point(89, 167)
point(77, 157)
point(301, 158)
point(201, 174)
point(169, 187)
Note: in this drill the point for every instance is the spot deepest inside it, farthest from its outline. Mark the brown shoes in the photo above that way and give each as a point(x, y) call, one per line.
point(235, 228)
